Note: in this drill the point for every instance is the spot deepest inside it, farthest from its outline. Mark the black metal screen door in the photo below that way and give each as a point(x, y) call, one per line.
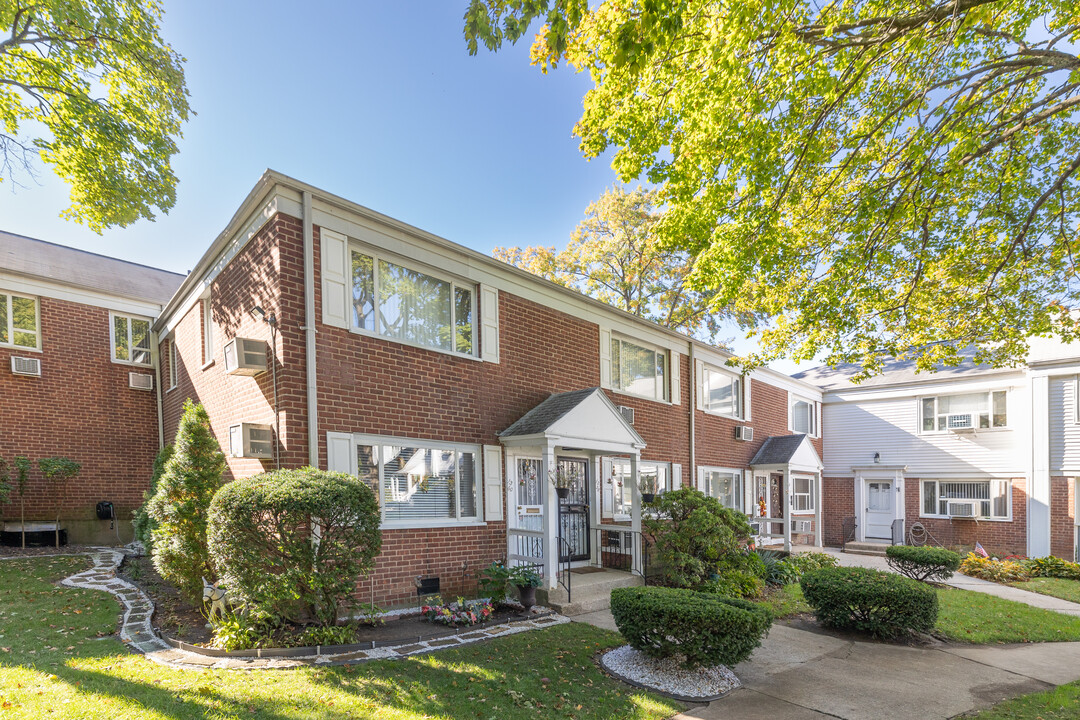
point(574, 511)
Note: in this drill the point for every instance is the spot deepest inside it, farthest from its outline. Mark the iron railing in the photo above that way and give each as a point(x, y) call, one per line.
point(620, 548)
point(563, 574)
point(848, 528)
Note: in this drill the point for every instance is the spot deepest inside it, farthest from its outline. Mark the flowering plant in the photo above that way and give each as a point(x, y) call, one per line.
point(565, 477)
point(458, 613)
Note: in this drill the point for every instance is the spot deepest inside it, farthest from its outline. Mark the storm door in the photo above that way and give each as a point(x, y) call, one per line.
point(574, 510)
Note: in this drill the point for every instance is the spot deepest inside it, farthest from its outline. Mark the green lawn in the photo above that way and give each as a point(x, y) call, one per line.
point(59, 657)
point(1055, 587)
point(975, 617)
point(1061, 703)
point(786, 600)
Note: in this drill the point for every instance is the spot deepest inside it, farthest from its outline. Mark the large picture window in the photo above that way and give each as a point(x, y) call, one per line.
point(421, 483)
point(981, 410)
point(131, 340)
point(990, 497)
point(722, 393)
point(18, 321)
point(724, 485)
point(398, 302)
point(620, 482)
point(639, 370)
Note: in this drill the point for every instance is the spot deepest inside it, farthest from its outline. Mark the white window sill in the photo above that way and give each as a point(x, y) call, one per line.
point(129, 363)
point(169, 390)
point(423, 525)
point(19, 348)
point(965, 431)
point(407, 343)
point(206, 365)
point(978, 519)
point(707, 411)
point(639, 397)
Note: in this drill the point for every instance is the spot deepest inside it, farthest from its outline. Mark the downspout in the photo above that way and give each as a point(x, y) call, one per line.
point(693, 418)
point(156, 344)
point(309, 333)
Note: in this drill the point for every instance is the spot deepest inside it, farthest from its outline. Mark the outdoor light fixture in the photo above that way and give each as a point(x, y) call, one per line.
point(258, 313)
point(877, 457)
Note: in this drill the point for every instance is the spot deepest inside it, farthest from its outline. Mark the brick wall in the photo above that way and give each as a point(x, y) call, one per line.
point(1062, 520)
point(838, 502)
point(998, 537)
point(81, 408)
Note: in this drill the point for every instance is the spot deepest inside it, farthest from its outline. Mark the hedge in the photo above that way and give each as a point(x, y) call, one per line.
point(702, 628)
point(923, 563)
point(878, 603)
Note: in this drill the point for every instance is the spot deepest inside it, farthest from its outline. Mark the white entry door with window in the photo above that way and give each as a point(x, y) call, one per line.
point(879, 509)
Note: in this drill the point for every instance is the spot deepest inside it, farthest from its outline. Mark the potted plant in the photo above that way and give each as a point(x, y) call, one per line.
point(58, 470)
point(526, 580)
point(648, 488)
point(563, 479)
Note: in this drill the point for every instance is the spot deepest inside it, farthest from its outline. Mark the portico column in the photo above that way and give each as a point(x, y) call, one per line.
point(551, 521)
point(819, 498)
point(635, 509)
point(786, 499)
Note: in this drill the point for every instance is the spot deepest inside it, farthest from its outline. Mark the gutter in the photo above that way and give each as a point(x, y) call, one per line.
point(309, 333)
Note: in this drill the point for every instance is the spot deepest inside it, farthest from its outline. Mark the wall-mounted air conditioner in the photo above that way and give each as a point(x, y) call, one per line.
point(140, 381)
point(26, 366)
point(803, 526)
point(961, 509)
point(960, 421)
point(744, 432)
point(244, 356)
point(627, 413)
point(249, 440)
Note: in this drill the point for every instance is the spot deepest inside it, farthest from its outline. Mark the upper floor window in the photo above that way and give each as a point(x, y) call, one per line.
point(724, 485)
point(19, 321)
point(172, 363)
point(401, 303)
point(804, 417)
point(722, 392)
point(981, 410)
point(639, 370)
point(131, 339)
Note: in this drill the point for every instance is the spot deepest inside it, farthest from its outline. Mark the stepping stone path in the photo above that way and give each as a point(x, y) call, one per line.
point(138, 634)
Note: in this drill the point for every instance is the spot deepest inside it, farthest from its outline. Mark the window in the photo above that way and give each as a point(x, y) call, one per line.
point(208, 331)
point(18, 321)
point(724, 485)
point(172, 364)
point(638, 370)
point(804, 417)
point(722, 393)
point(802, 493)
point(622, 499)
point(130, 340)
point(421, 483)
point(957, 412)
point(991, 497)
point(400, 303)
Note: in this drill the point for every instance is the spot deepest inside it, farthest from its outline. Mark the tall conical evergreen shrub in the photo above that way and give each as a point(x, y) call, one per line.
point(141, 521)
point(179, 507)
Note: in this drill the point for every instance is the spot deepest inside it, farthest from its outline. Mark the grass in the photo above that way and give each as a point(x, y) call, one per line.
point(59, 657)
point(786, 601)
point(1061, 703)
point(979, 618)
point(1054, 587)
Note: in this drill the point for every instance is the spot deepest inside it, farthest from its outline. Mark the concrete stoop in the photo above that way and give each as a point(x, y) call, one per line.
point(867, 548)
point(589, 592)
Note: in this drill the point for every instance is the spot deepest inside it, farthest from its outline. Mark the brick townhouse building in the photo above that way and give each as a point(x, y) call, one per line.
point(319, 332)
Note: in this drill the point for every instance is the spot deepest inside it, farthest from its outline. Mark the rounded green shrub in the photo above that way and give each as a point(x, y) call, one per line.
point(926, 564)
point(804, 562)
point(292, 544)
point(881, 604)
point(702, 628)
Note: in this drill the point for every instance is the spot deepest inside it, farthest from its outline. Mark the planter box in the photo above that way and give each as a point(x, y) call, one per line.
point(41, 534)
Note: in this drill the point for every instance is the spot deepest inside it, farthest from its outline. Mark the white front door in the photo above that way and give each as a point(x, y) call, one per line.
point(879, 509)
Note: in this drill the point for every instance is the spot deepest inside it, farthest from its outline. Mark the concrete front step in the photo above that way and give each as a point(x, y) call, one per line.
point(866, 548)
point(589, 592)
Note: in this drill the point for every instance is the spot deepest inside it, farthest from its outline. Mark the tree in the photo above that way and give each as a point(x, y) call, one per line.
point(181, 505)
point(867, 179)
point(91, 88)
point(22, 484)
point(614, 256)
point(58, 470)
point(142, 524)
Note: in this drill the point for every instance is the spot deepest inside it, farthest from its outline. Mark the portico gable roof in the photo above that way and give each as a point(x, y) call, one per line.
point(581, 418)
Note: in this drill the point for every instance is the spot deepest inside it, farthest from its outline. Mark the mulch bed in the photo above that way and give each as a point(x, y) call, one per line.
point(176, 618)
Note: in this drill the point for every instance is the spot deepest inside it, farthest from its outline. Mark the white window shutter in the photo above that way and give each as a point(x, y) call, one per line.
point(339, 453)
point(493, 502)
point(746, 397)
point(489, 324)
point(605, 358)
point(676, 476)
point(336, 288)
point(676, 371)
point(701, 479)
point(699, 384)
point(608, 489)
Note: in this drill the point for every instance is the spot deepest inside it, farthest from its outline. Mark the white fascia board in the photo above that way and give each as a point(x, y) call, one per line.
point(785, 382)
point(83, 296)
point(925, 389)
point(1069, 367)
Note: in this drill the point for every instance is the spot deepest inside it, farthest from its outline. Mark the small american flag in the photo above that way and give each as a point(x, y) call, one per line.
point(980, 550)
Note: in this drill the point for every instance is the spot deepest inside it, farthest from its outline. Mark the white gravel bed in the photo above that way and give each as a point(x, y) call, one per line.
point(668, 676)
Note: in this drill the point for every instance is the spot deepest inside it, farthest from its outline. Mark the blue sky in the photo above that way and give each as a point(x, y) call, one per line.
point(376, 101)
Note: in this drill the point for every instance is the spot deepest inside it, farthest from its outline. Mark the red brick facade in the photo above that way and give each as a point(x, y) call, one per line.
point(998, 537)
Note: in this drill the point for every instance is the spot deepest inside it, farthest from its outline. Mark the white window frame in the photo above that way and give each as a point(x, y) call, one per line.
point(455, 283)
point(619, 493)
point(810, 495)
point(614, 373)
point(740, 479)
point(815, 416)
point(990, 405)
point(112, 339)
point(740, 395)
point(207, 331)
point(982, 518)
point(377, 441)
point(172, 364)
point(9, 320)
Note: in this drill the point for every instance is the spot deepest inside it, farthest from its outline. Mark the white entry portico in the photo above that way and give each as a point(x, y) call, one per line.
point(879, 501)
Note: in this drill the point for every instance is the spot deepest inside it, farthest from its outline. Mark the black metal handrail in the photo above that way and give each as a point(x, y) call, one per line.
point(848, 529)
point(563, 573)
point(622, 549)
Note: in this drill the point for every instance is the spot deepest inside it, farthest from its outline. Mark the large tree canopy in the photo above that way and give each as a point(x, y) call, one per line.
point(91, 88)
point(613, 255)
point(870, 178)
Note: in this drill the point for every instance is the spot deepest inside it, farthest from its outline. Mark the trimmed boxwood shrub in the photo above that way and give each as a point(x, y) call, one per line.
point(923, 563)
point(702, 628)
point(260, 535)
point(878, 603)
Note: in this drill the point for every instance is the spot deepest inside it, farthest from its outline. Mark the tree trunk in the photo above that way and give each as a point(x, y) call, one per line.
point(22, 518)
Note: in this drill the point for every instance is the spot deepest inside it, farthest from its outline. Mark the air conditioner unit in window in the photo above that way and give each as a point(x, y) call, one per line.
point(960, 421)
point(140, 381)
point(803, 526)
point(26, 366)
point(744, 432)
point(244, 356)
point(961, 509)
point(249, 440)
point(627, 413)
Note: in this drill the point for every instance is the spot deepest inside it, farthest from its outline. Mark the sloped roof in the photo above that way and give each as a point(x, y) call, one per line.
point(547, 413)
point(894, 372)
point(36, 258)
point(778, 450)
